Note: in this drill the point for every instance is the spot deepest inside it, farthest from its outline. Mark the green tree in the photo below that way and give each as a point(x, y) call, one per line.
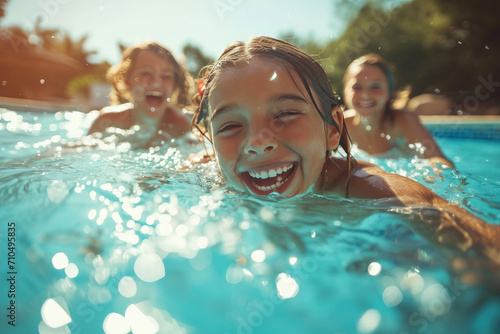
point(195, 59)
point(434, 45)
point(3, 3)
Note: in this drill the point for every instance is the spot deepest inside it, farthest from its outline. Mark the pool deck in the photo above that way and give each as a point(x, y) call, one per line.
point(454, 119)
point(37, 106)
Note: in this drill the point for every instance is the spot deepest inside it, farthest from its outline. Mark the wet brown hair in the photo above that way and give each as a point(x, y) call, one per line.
point(117, 75)
point(311, 74)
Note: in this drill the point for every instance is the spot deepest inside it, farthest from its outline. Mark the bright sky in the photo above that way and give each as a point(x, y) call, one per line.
point(209, 24)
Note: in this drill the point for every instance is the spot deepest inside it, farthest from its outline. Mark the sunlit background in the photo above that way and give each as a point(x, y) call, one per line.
point(59, 50)
point(209, 24)
point(117, 240)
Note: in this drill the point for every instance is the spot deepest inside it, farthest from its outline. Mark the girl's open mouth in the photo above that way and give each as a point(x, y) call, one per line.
point(268, 180)
point(154, 99)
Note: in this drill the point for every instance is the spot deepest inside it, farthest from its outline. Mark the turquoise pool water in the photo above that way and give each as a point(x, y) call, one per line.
point(114, 240)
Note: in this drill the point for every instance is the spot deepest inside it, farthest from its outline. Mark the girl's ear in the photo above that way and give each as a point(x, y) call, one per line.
point(334, 134)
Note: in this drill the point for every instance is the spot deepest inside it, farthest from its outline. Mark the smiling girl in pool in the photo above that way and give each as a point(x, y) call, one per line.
point(273, 120)
point(149, 88)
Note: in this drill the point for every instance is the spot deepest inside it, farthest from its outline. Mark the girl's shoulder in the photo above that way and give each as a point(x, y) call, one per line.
point(368, 181)
point(403, 117)
point(404, 120)
point(112, 116)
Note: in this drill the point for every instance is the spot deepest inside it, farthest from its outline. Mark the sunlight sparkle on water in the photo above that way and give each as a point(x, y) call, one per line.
point(60, 260)
point(412, 281)
point(149, 267)
point(116, 324)
point(258, 255)
point(54, 314)
point(369, 321)
point(266, 214)
point(374, 268)
point(234, 274)
point(127, 287)
point(139, 322)
point(71, 270)
point(287, 286)
point(392, 296)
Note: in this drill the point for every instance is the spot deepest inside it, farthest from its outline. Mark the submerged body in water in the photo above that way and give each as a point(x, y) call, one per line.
point(158, 250)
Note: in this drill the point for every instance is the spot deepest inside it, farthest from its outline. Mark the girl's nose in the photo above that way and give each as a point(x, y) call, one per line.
point(156, 80)
point(365, 93)
point(260, 142)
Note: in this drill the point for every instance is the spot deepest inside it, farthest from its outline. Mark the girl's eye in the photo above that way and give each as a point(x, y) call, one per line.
point(167, 77)
point(286, 116)
point(356, 87)
point(228, 129)
point(376, 86)
point(145, 74)
point(286, 113)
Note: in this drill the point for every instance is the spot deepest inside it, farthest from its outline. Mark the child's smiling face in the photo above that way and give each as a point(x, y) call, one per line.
point(151, 81)
point(366, 90)
point(267, 135)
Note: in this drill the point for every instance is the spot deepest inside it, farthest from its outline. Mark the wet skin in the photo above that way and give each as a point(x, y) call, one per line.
point(267, 135)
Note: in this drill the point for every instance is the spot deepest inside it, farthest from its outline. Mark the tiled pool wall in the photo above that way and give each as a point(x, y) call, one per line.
point(481, 131)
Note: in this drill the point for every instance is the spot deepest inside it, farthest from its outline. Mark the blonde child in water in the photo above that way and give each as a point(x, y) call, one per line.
point(273, 121)
point(149, 87)
point(375, 126)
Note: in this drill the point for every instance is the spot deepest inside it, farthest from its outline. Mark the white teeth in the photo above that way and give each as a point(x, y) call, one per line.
point(365, 104)
point(271, 187)
point(154, 93)
point(270, 173)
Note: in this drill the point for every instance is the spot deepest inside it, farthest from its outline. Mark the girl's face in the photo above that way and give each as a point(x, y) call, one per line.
point(151, 81)
point(366, 90)
point(266, 133)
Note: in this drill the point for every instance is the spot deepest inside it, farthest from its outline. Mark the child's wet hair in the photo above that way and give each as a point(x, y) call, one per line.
point(118, 75)
point(312, 76)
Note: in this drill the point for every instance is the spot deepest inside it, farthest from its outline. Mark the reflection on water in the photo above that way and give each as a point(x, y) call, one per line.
point(118, 240)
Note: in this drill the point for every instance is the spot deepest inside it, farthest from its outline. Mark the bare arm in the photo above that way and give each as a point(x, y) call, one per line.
point(110, 117)
point(445, 224)
point(415, 132)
